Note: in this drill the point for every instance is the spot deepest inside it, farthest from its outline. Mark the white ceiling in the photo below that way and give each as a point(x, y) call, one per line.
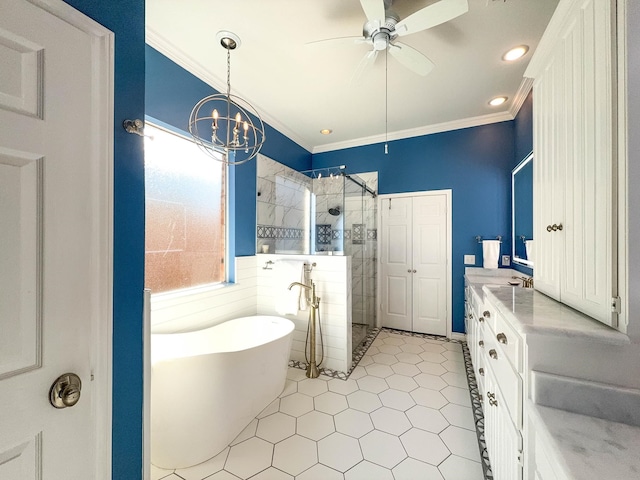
point(300, 88)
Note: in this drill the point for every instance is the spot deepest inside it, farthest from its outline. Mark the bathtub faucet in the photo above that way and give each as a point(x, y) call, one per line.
point(312, 367)
point(315, 301)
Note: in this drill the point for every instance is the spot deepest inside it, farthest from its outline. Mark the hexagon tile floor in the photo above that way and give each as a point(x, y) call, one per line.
point(404, 414)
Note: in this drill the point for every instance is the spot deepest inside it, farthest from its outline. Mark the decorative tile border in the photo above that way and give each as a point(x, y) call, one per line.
point(478, 415)
point(270, 231)
point(357, 233)
point(357, 356)
point(323, 234)
point(372, 234)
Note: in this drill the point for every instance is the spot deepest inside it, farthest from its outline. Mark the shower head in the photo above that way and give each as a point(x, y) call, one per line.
point(335, 211)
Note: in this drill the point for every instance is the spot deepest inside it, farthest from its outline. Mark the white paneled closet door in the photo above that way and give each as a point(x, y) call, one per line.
point(414, 263)
point(396, 259)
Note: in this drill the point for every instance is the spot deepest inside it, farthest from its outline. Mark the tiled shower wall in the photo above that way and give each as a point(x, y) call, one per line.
point(282, 200)
point(330, 229)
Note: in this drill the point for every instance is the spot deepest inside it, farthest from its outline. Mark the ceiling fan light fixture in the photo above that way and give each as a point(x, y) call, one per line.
point(326, 131)
point(515, 53)
point(494, 102)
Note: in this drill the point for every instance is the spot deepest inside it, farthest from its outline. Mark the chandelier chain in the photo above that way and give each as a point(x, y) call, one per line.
point(228, 72)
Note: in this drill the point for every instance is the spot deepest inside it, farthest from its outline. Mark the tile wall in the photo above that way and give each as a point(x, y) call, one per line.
point(333, 286)
point(200, 308)
point(282, 200)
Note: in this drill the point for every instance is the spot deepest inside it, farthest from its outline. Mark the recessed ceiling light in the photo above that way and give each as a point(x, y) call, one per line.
point(515, 53)
point(494, 102)
point(326, 131)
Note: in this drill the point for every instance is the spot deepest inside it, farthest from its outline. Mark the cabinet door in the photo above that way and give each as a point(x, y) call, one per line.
point(574, 149)
point(504, 442)
point(547, 176)
point(589, 229)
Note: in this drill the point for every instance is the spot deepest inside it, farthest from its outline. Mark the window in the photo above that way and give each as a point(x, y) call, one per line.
point(185, 214)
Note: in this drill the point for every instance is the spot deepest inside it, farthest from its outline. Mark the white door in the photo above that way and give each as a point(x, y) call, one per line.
point(55, 260)
point(430, 264)
point(396, 262)
point(414, 248)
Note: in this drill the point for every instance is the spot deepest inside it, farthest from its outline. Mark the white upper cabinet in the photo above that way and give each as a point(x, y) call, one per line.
point(574, 94)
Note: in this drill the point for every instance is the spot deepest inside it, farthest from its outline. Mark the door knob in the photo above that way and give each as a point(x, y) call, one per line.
point(493, 354)
point(414, 271)
point(409, 271)
point(65, 391)
point(549, 228)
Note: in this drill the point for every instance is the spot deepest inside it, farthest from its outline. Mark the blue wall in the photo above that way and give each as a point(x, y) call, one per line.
point(171, 93)
point(126, 19)
point(475, 163)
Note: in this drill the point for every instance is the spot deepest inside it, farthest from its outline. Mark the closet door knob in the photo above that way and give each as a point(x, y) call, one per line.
point(414, 271)
point(502, 338)
point(560, 226)
point(481, 343)
point(409, 271)
point(487, 313)
point(549, 228)
point(481, 371)
point(493, 354)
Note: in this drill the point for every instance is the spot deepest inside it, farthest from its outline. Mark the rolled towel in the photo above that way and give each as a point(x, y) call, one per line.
point(490, 253)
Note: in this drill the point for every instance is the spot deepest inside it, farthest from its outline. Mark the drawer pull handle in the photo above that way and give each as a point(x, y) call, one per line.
point(493, 354)
point(490, 395)
point(493, 402)
point(502, 338)
point(481, 371)
point(487, 313)
point(481, 343)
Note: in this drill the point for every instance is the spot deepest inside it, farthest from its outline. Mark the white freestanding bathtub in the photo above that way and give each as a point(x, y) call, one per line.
point(208, 385)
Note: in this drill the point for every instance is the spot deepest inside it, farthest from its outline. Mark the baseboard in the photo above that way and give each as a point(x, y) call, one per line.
point(458, 336)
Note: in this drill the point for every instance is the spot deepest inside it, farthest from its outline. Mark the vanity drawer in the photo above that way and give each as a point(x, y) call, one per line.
point(508, 341)
point(507, 379)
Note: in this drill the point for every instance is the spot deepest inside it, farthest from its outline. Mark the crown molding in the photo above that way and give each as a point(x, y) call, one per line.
point(521, 95)
point(552, 33)
point(417, 132)
point(178, 56)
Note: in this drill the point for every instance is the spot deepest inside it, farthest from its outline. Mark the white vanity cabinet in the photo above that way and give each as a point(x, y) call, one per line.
point(503, 393)
point(574, 113)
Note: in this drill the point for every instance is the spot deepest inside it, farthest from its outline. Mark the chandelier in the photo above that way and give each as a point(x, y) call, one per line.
point(227, 124)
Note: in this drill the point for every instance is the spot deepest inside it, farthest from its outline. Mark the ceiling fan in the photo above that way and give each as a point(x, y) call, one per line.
point(383, 27)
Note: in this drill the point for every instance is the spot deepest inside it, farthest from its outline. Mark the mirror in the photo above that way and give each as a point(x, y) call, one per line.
point(522, 212)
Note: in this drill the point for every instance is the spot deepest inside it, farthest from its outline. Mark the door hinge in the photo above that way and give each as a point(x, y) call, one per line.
point(616, 305)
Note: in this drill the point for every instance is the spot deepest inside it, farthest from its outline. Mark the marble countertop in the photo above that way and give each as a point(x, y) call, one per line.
point(588, 447)
point(531, 312)
point(477, 278)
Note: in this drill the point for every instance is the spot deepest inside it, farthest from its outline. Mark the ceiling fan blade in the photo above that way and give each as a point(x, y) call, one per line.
point(411, 58)
point(340, 40)
point(374, 10)
point(365, 64)
point(433, 15)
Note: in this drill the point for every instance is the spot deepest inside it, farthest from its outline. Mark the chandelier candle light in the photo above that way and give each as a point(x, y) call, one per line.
point(230, 125)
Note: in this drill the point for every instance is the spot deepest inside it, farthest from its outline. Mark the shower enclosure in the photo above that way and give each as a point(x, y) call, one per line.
point(323, 212)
